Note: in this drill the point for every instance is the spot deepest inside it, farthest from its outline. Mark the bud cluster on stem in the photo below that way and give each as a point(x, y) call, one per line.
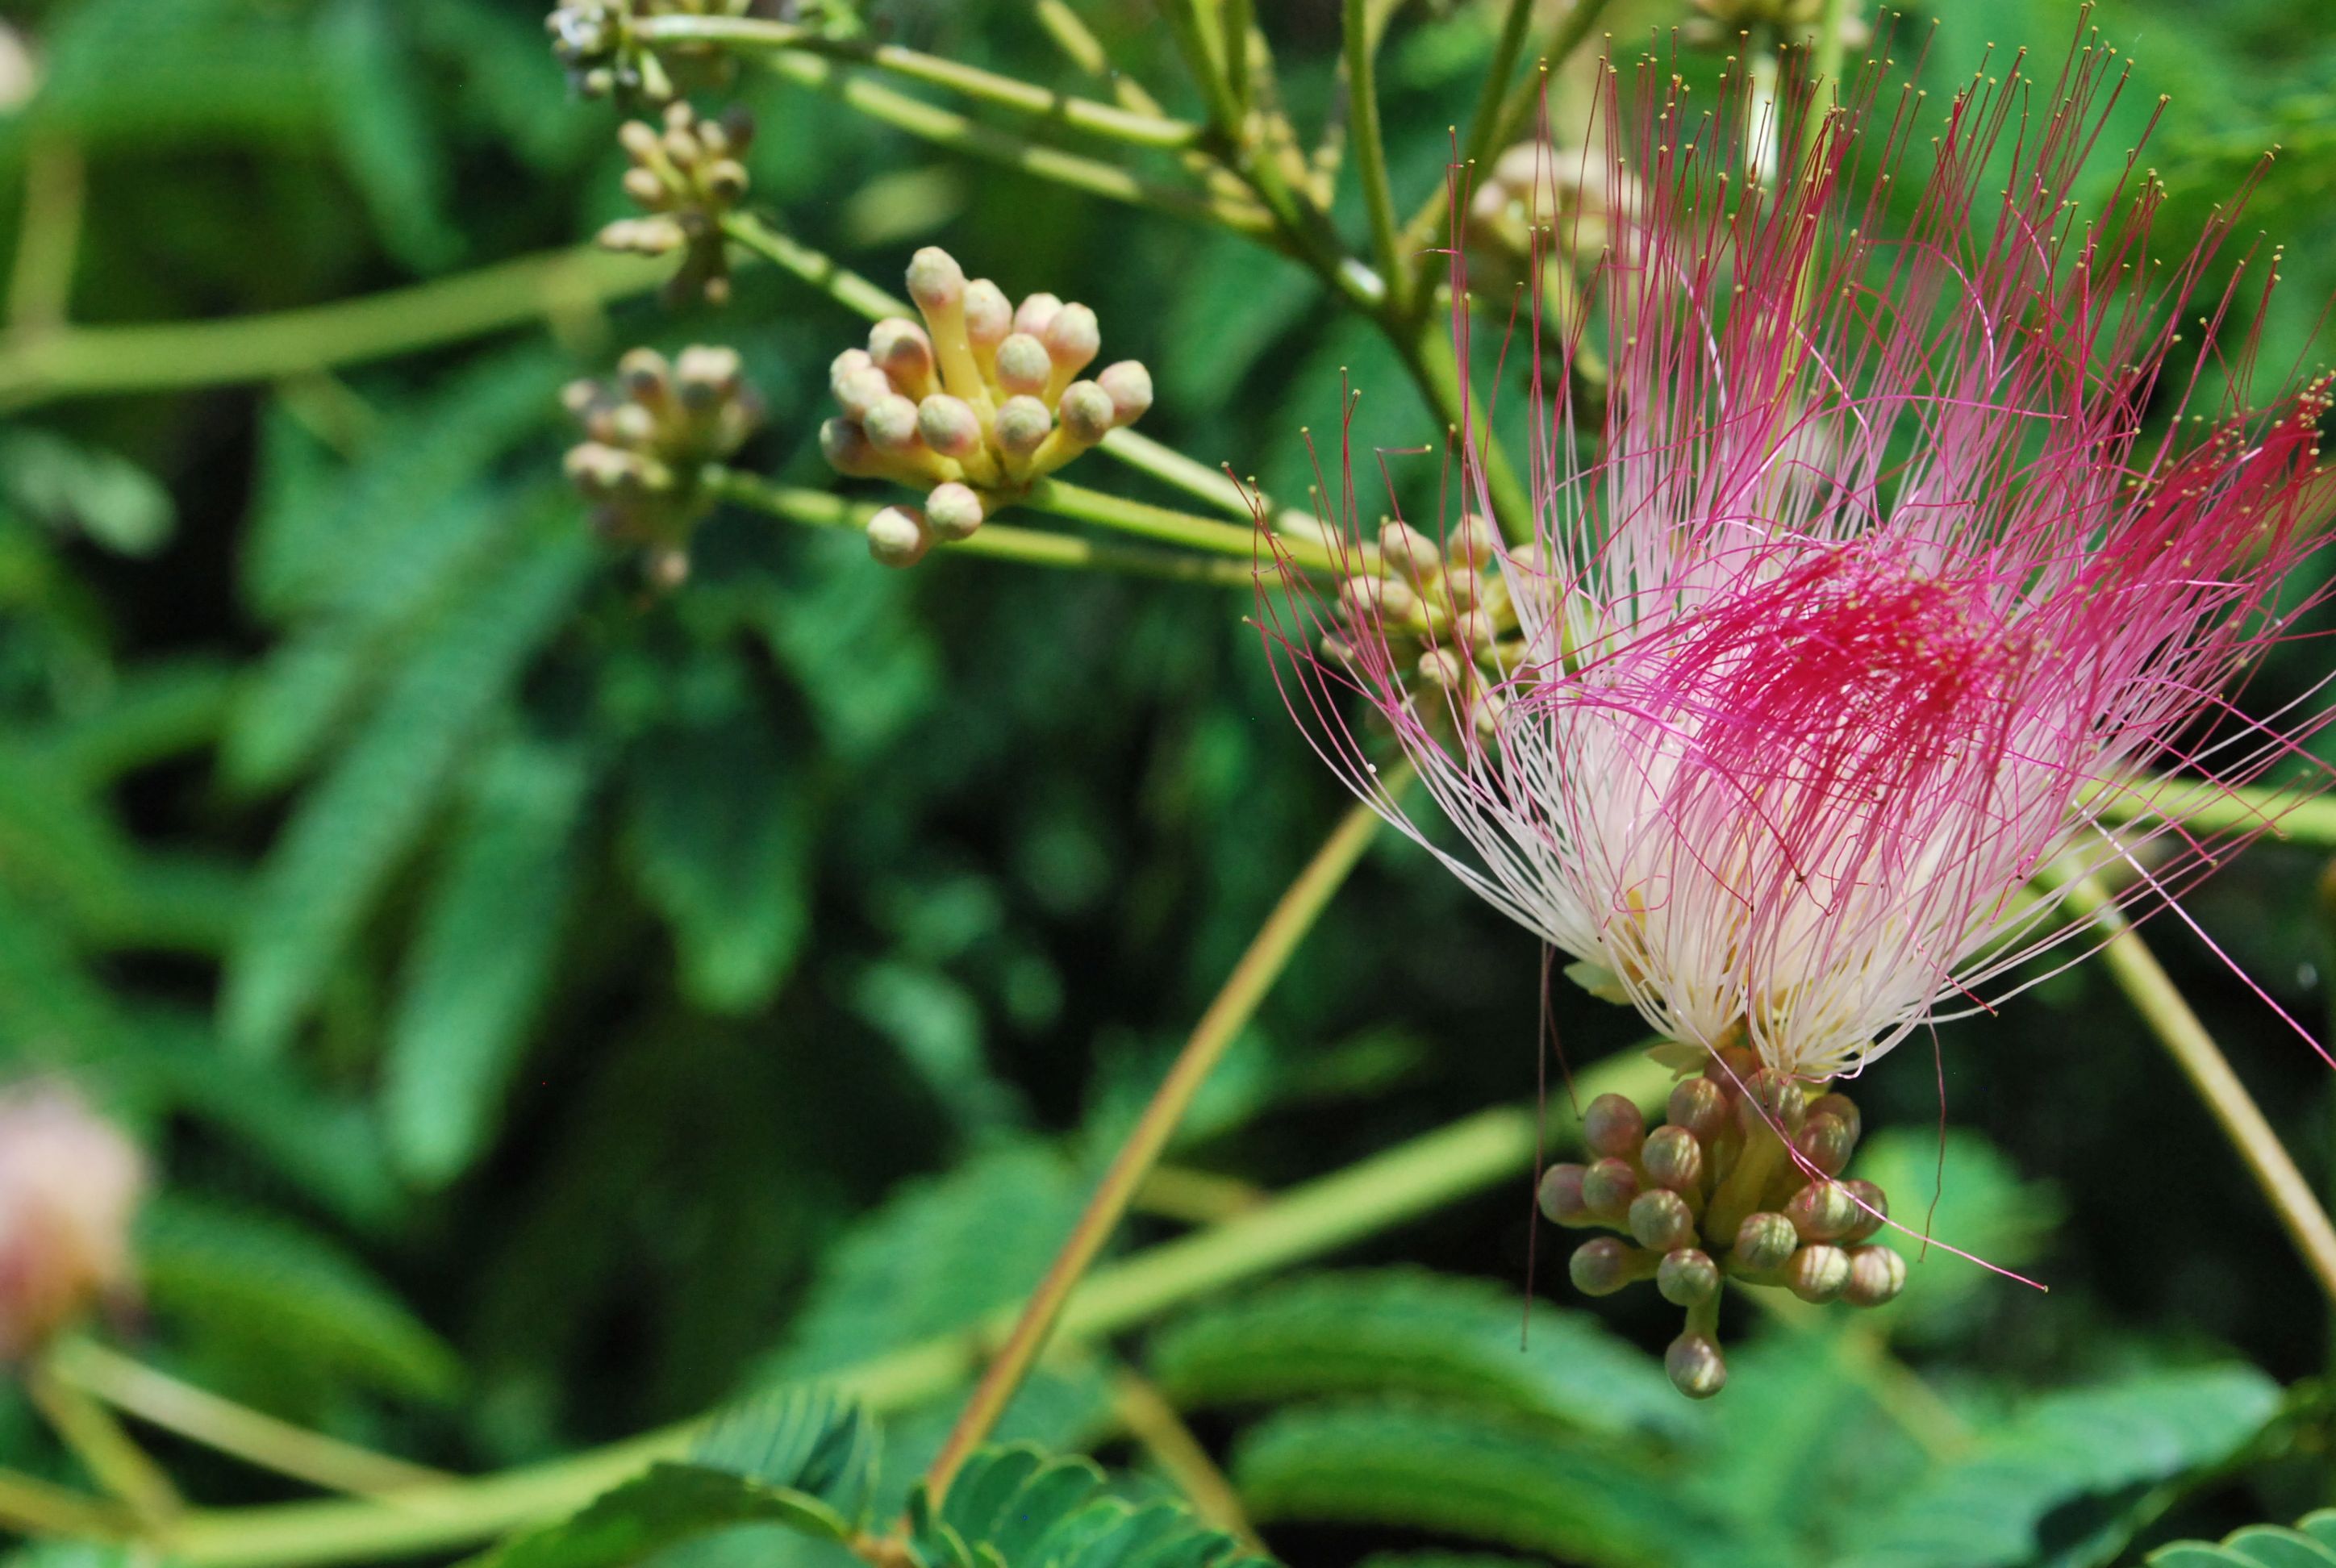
point(974, 407)
point(649, 434)
point(1443, 609)
point(595, 41)
point(686, 174)
point(1742, 1182)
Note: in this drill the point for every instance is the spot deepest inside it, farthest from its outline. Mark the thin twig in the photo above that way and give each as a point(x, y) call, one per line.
point(1153, 1423)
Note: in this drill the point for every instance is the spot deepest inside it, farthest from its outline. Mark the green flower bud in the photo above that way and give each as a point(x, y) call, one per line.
point(1841, 1108)
point(1876, 1275)
point(1364, 601)
point(949, 425)
point(936, 282)
point(1824, 1142)
point(1673, 1157)
point(1773, 1098)
point(1034, 312)
point(643, 186)
point(1129, 386)
point(1699, 1106)
point(1822, 1211)
point(989, 316)
point(1443, 669)
point(705, 374)
point(1613, 1126)
point(724, 181)
point(644, 375)
point(953, 512)
point(1608, 1186)
point(1604, 1264)
point(898, 536)
point(1022, 424)
point(891, 425)
point(1686, 1275)
point(1560, 1196)
point(1817, 1272)
point(639, 141)
point(1659, 1220)
point(1873, 1209)
point(1403, 548)
point(1763, 1242)
point(1086, 411)
point(1023, 364)
point(1695, 1366)
point(1474, 543)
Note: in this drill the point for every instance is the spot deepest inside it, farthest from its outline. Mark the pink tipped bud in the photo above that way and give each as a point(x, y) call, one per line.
point(1825, 1141)
point(1764, 1242)
point(936, 282)
point(1560, 1196)
point(1604, 1265)
point(1772, 1100)
point(1659, 1220)
point(1073, 339)
point(1695, 1366)
point(1085, 412)
point(1612, 1124)
point(1130, 387)
point(845, 445)
point(1608, 1187)
point(1842, 1108)
point(1818, 1273)
point(1699, 1106)
point(1673, 1157)
point(891, 425)
point(1034, 312)
point(988, 317)
point(1876, 1275)
point(70, 1184)
point(898, 536)
point(953, 512)
point(1686, 1275)
point(1873, 1210)
point(1023, 365)
point(861, 390)
point(1822, 1211)
point(899, 349)
point(1022, 424)
point(949, 424)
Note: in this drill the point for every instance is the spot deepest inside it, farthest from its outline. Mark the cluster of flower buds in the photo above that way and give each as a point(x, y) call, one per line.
point(1714, 1193)
point(648, 435)
point(1721, 23)
point(686, 176)
point(1538, 197)
point(1444, 611)
point(594, 40)
point(70, 1184)
point(973, 407)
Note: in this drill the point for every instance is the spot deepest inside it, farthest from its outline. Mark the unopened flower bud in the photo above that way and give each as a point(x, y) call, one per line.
point(949, 424)
point(1443, 669)
point(1022, 426)
point(1608, 1186)
point(848, 450)
point(1873, 1210)
point(1023, 364)
point(1604, 1264)
point(1686, 1276)
point(988, 317)
point(1763, 1242)
point(1560, 1196)
point(644, 374)
point(1073, 339)
point(1085, 412)
point(1673, 1157)
point(936, 282)
point(898, 536)
point(1822, 1211)
point(1659, 1220)
point(1129, 385)
point(859, 389)
point(1367, 599)
point(724, 180)
point(1876, 1275)
point(1404, 548)
point(70, 1184)
point(1773, 1099)
point(1695, 1366)
point(1824, 1142)
point(639, 141)
point(899, 349)
point(1699, 1106)
point(1473, 542)
point(1611, 1124)
point(1842, 1108)
point(1817, 1272)
point(643, 186)
point(891, 425)
point(1034, 312)
point(953, 512)
point(704, 373)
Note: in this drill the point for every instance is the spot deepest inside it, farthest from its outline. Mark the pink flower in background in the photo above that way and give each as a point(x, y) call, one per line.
point(70, 1184)
point(1870, 590)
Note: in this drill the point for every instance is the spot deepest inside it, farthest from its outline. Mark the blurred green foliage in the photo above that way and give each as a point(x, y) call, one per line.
point(557, 1007)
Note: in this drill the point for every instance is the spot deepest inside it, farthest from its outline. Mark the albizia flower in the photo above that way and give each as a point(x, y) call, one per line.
point(1870, 593)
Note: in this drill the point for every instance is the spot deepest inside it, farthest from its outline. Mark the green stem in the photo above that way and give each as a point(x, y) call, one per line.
point(1436, 367)
point(946, 128)
point(1007, 91)
point(1306, 1222)
point(2169, 1017)
point(36, 366)
point(232, 1428)
point(1185, 25)
point(996, 542)
point(1370, 156)
point(2212, 809)
point(32, 1507)
point(48, 235)
point(1156, 1427)
point(1051, 495)
point(1236, 1003)
point(116, 1462)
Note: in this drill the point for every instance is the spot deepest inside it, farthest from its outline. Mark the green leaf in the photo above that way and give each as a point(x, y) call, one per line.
point(483, 958)
point(381, 122)
point(1984, 1207)
point(2311, 1544)
point(2062, 1453)
point(109, 500)
point(1414, 1331)
point(267, 1285)
point(355, 827)
point(1019, 1507)
point(1464, 1472)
